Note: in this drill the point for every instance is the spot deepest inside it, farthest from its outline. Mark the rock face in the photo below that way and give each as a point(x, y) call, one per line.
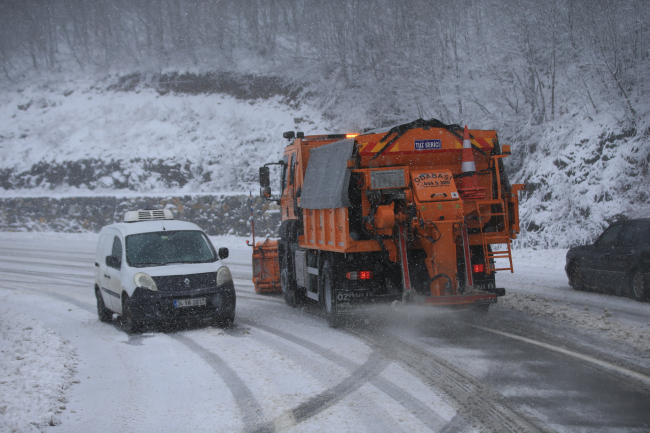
point(216, 214)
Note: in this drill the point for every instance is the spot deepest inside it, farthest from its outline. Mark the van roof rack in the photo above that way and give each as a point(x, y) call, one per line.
point(147, 215)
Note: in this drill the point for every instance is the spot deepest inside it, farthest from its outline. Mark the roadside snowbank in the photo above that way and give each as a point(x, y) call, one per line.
point(539, 287)
point(36, 370)
point(600, 320)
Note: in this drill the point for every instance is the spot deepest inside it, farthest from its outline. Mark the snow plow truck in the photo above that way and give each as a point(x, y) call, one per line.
point(416, 213)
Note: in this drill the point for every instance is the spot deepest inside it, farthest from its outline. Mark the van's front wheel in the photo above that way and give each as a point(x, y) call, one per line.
point(130, 322)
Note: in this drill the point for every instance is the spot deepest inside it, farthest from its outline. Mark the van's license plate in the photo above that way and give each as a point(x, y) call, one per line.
point(197, 302)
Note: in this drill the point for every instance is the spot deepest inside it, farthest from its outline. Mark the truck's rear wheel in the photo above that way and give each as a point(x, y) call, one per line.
point(293, 295)
point(288, 289)
point(329, 300)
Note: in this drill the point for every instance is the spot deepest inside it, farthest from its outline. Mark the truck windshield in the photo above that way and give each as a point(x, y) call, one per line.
point(168, 247)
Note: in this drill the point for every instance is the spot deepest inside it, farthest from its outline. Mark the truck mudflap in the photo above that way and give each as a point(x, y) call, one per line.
point(266, 267)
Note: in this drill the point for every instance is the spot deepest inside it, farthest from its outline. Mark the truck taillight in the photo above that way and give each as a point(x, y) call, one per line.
point(478, 268)
point(359, 275)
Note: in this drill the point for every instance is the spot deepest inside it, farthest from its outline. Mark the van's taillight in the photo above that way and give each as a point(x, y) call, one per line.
point(359, 275)
point(478, 268)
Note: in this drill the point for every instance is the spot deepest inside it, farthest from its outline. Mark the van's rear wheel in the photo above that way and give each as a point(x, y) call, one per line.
point(104, 314)
point(329, 300)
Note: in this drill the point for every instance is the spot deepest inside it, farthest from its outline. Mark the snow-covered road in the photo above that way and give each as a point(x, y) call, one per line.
point(547, 358)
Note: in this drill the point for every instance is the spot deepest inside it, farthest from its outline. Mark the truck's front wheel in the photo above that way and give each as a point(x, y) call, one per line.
point(329, 300)
point(288, 289)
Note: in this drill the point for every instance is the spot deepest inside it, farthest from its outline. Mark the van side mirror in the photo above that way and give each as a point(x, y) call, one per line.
point(223, 253)
point(113, 262)
point(265, 178)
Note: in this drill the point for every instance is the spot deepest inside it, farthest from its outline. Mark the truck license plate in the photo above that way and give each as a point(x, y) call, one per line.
point(351, 296)
point(197, 302)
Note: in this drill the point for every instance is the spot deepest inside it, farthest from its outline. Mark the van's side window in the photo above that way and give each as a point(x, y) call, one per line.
point(117, 248)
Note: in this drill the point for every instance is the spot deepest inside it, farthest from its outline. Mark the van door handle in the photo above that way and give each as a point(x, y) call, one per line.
point(107, 276)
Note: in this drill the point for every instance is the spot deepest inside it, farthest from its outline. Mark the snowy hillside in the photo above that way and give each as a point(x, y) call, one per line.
point(77, 139)
point(583, 176)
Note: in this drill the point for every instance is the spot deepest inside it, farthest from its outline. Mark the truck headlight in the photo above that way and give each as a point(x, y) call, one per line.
point(145, 281)
point(223, 276)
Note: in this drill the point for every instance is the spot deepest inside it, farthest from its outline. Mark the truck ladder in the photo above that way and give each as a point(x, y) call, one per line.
point(495, 238)
point(493, 255)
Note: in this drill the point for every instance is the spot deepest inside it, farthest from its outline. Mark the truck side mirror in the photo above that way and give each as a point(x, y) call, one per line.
point(265, 178)
point(266, 192)
point(223, 253)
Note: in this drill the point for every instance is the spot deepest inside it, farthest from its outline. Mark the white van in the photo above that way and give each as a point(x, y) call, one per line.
point(152, 269)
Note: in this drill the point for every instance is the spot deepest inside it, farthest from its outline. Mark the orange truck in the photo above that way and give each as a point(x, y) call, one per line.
point(416, 213)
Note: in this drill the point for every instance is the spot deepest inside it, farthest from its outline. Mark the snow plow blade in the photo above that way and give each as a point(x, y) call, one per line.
point(266, 267)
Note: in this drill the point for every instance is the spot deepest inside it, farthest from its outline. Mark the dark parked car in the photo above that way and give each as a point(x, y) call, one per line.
point(618, 262)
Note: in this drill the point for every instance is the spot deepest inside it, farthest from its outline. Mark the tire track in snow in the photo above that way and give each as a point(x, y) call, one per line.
point(65, 284)
point(251, 411)
point(477, 403)
point(310, 408)
point(81, 304)
point(317, 369)
point(258, 299)
point(318, 403)
point(56, 253)
point(55, 275)
point(59, 261)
